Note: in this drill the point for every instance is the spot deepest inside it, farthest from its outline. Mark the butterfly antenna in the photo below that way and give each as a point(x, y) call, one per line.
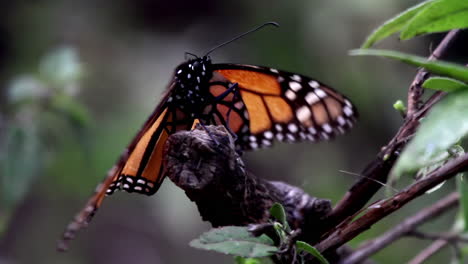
point(242, 35)
point(191, 54)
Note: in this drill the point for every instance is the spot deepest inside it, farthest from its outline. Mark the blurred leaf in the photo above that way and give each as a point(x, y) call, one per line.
point(394, 25)
point(26, 88)
point(444, 84)
point(439, 67)
point(462, 185)
point(277, 211)
point(440, 16)
point(73, 111)
point(20, 163)
point(303, 246)
point(241, 260)
point(445, 124)
point(61, 66)
point(235, 240)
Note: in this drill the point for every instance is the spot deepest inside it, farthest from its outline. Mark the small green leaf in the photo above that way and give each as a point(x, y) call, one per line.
point(394, 25)
point(241, 260)
point(444, 84)
point(235, 240)
point(277, 211)
point(462, 185)
point(303, 246)
point(448, 69)
point(440, 16)
point(444, 126)
point(400, 107)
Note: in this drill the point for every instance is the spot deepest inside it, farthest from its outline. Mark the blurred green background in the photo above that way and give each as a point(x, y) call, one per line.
point(106, 63)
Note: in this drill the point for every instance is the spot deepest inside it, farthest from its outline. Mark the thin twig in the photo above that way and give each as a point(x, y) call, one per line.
point(376, 213)
point(415, 90)
point(429, 251)
point(402, 229)
point(450, 237)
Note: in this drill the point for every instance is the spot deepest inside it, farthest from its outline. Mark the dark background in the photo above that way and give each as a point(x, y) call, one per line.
point(129, 49)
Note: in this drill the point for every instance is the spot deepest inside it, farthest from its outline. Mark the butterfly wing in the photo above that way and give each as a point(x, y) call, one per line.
point(139, 168)
point(274, 104)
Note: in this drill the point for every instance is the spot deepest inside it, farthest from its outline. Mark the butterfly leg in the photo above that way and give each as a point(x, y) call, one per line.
point(232, 89)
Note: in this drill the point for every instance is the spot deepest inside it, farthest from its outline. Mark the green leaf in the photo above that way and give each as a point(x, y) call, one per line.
point(400, 107)
point(440, 16)
point(444, 84)
point(277, 211)
point(61, 66)
point(462, 184)
point(444, 126)
point(235, 240)
point(72, 111)
point(303, 246)
point(448, 69)
point(394, 25)
point(241, 260)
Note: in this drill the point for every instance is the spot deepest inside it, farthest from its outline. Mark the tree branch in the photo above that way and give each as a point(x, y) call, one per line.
point(378, 211)
point(429, 251)
point(378, 169)
point(407, 226)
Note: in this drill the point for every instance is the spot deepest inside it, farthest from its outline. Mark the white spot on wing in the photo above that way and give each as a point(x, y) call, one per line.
point(266, 142)
point(347, 111)
point(280, 137)
point(141, 181)
point(292, 127)
point(341, 121)
point(290, 95)
point(325, 136)
point(295, 86)
point(254, 145)
point(296, 77)
point(311, 98)
point(314, 84)
point(273, 70)
point(327, 128)
point(290, 137)
point(303, 114)
point(268, 134)
point(320, 93)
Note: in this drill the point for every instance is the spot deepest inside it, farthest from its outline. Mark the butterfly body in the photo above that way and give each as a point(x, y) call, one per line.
point(259, 105)
point(190, 92)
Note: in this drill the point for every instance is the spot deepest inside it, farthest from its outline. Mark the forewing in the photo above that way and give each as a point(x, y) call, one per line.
point(284, 106)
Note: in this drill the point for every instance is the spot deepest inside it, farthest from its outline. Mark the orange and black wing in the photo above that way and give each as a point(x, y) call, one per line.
point(268, 104)
point(139, 168)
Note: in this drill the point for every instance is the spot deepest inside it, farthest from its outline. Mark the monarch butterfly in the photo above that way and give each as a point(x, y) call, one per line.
point(257, 104)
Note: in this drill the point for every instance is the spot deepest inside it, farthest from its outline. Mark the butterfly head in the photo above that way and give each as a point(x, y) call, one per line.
point(194, 71)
